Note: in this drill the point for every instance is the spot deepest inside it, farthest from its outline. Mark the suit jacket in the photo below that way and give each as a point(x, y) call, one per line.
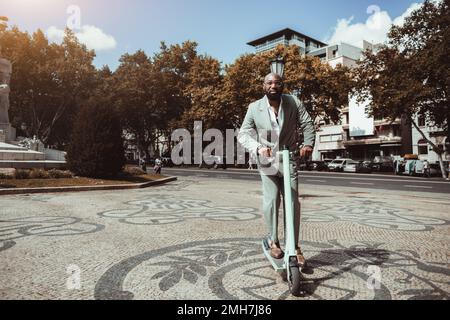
point(256, 127)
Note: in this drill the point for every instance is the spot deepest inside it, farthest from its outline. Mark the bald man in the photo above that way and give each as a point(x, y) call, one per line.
point(269, 124)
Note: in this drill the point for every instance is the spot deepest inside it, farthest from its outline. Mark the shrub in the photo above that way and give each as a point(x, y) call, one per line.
point(134, 171)
point(96, 145)
point(22, 174)
point(59, 174)
point(6, 176)
point(39, 174)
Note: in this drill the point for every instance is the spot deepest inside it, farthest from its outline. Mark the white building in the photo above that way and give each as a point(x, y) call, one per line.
point(362, 137)
point(420, 145)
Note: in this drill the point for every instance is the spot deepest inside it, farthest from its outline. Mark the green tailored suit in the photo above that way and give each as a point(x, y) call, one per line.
point(258, 131)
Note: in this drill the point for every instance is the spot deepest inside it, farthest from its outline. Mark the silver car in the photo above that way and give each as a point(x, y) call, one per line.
point(338, 164)
point(351, 166)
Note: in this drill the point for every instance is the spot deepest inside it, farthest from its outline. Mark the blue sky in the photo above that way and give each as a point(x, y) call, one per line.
point(221, 27)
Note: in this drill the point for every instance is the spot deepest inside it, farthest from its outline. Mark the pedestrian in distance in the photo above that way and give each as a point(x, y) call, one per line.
point(426, 169)
point(142, 164)
point(158, 166)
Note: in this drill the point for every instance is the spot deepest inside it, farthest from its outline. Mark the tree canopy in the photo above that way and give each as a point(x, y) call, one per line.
point(409, 76)
point(49, 81)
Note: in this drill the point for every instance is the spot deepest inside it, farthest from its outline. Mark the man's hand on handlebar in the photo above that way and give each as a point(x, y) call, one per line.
point(265, 152)
point(305, 152)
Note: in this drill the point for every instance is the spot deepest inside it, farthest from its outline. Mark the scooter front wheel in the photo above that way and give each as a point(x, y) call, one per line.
point(295, 279)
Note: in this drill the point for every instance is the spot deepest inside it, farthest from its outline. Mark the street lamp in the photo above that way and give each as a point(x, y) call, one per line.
point(277, 66)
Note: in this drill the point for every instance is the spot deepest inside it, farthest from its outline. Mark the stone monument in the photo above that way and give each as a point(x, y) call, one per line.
point(7, 132)
point(26, 153)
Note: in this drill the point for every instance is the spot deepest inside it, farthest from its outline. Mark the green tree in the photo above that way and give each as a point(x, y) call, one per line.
point(74, 76)
point(48, 82)
point(173, 64)
point(96, 145)
point(204, 94)
point(409, 77)
point(137, 94)
point(243, 83)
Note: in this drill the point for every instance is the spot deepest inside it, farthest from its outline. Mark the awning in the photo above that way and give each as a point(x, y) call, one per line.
point(422, 141)
point(391, 145)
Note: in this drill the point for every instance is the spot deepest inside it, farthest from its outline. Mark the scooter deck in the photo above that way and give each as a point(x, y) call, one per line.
point(277, 264)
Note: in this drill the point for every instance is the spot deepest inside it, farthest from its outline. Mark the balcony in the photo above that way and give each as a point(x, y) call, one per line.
point(435, 131)
point(386, 122)
point(372, 141)
point(332, 145)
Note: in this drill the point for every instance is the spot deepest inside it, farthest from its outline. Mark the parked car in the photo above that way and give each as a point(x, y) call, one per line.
point(410, 164)
point(318, 165)
point(338, 164)
point(435, 169)
point(313, 165)
point(351, 166)
point(383, 163)
point(364, 167)
point(327, 161)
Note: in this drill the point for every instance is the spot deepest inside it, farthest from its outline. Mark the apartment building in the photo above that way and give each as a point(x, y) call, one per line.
point(286, 37)
point(435, 134)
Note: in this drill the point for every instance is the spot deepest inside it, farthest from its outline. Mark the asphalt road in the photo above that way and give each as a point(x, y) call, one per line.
point(366, 181)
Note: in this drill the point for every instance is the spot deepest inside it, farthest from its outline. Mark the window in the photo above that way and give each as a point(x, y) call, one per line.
point(423, 146)
point(421, 121)
point(395, 129)
point(331, 138)
point(336, 137)
point(423, 149)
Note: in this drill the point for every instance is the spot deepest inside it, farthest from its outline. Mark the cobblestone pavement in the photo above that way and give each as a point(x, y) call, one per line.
point(199, 238)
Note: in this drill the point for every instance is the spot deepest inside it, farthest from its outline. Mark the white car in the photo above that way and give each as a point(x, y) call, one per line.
point(338, 164)
point(351, 166)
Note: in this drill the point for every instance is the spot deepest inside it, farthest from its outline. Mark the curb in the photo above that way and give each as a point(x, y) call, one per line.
point(86, 188)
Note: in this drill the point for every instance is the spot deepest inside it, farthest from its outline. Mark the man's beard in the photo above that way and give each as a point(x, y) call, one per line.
point(274, 96)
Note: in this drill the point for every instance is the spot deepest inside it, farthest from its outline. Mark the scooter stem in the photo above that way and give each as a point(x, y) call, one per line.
point(289, 209)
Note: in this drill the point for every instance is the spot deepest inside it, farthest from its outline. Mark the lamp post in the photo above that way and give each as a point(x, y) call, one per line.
point(277, 66)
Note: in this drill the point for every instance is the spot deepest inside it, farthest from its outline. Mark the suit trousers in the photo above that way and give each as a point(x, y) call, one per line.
point(273, 188)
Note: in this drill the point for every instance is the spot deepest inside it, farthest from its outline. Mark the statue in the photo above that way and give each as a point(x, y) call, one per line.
point(5, 76)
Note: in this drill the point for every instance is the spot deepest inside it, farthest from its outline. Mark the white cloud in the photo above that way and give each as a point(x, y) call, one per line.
point(54, 34)
point(375, 29)
point(93, 37)
point(399, 21)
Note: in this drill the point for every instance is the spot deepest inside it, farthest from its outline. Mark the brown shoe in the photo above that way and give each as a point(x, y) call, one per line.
point(275, 250)
point(300, 258)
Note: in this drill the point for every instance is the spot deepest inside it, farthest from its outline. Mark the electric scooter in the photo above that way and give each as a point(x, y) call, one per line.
point(288, 263)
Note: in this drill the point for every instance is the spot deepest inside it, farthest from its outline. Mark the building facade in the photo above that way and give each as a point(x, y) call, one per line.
point(420, 145)
point(286, 37)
